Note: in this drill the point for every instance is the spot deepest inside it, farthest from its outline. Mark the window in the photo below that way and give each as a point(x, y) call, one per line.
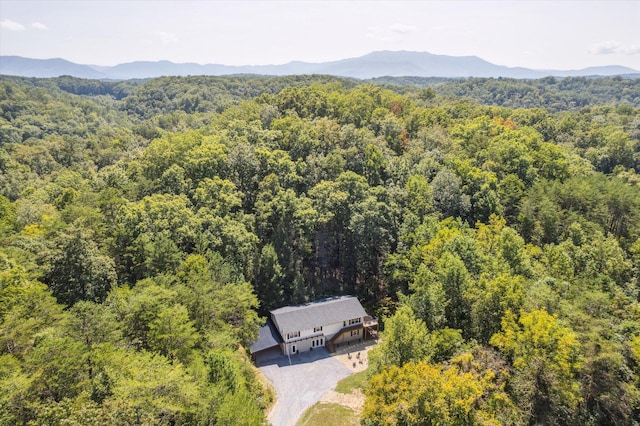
point(316, 329)
point(355, 321)
point(355, 332)
point(293, 349)
point(292, 335)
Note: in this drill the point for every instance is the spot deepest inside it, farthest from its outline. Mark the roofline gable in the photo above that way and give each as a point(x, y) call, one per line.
point(321, 312)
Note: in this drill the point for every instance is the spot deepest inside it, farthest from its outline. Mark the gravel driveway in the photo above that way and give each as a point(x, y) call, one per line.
point(300, 384)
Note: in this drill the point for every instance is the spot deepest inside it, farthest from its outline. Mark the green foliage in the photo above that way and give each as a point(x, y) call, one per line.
point(56, 369)
point(163, 215)
point(405, 339)
point(269, 279)
point(155, 389)
point(236, 311)
point(428, 298)
point(445, 343)
point(546, 357)
point(553, 94)
point(77, 270)
point(423, 393)
point(494, 299)
point(239, 394)
point(171, 333)
point(29, 311)
point(447, 195)
point(324, 413)
point(94, 325)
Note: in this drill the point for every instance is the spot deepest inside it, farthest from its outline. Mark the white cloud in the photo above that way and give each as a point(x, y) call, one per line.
point(610, 47)
point(402, 28)
point(634, 49)
point(379, 33)
point(10, 25)
point(392, 33)
point(165, 37)
point(604, 48)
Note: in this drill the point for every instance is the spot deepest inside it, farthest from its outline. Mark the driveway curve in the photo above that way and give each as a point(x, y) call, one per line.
point(299, 381)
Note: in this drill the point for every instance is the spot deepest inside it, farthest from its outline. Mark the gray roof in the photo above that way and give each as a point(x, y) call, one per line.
point(268, 337)
point(319, 313)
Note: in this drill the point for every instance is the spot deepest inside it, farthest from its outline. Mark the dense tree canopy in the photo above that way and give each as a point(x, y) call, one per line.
point(147, 227)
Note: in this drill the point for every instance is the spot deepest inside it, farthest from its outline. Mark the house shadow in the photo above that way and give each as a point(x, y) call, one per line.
point(274, 357)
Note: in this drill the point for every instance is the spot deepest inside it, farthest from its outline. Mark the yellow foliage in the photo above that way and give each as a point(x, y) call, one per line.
point(36, 230)
point(544, 353)
point(424, 393)
point(635, 350)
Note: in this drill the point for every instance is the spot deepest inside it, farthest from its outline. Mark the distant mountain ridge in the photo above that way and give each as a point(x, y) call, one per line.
point(372, 65)
point(44, 68)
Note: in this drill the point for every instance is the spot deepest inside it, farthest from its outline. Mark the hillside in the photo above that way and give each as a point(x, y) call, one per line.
point(553, 94)
point(375, 64)
point(26, 67)
point(146, 225)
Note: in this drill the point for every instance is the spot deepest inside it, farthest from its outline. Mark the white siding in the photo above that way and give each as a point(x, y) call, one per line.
point(302, 345)
point(305, 345)
point(304, 334)
point(350, 336)
point(332, 329)
point(307, 333)
point(305, 340)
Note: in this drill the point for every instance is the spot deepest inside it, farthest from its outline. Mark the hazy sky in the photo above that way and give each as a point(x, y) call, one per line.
point(539, 34)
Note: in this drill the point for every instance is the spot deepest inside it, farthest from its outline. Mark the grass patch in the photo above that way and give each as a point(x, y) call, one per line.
point(324, 413)
point(354, 381)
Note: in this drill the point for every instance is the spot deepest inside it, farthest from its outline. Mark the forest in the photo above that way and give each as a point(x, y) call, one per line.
point(147, 227)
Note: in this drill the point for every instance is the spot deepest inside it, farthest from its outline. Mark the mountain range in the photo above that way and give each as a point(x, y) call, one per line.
point(376, 64)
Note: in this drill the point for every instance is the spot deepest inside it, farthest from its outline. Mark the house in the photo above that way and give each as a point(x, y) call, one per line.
point(326, 323)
